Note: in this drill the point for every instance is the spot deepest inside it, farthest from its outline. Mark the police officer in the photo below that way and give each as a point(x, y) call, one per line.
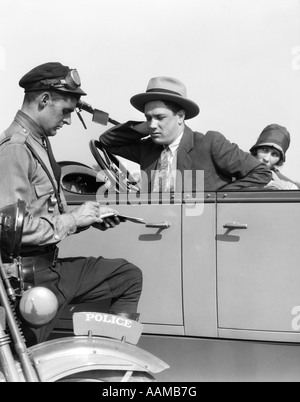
point(28, 171)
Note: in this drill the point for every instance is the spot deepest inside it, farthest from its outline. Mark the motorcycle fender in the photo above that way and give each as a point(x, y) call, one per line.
point(60, 358)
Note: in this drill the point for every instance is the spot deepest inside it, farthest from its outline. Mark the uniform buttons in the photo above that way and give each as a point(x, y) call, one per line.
point(56, 237)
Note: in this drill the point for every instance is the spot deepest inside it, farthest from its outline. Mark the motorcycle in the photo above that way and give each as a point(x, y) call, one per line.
point(103, 348)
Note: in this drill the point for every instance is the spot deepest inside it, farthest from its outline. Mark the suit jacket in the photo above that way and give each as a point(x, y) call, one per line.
point(224, 164)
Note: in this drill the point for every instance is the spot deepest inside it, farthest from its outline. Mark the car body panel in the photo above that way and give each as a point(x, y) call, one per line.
point(222, 360)
point(201, 279)
point(213, 297)
point(199, 272)
point(258, 286)
point(148, 248)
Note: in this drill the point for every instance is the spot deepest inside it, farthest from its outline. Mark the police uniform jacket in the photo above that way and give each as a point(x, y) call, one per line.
point(22, 177)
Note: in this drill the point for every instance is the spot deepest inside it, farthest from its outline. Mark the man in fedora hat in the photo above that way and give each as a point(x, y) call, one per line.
point(270, 149)
point(172, 148)
point(28, 171)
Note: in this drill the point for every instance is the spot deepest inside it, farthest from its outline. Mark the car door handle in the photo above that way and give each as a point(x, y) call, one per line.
point(235, 225)
point(161, 225)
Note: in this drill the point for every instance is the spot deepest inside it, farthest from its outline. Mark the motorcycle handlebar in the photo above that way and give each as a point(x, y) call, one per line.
point(99, 116)
point(85, 106)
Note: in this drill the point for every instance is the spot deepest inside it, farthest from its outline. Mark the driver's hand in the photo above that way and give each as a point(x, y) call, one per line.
point(281, 185)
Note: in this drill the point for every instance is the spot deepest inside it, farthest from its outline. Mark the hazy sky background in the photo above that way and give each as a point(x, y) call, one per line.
point(240, 60)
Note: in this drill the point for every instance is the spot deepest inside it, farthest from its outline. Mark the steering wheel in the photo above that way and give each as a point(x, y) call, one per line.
point(116, 173)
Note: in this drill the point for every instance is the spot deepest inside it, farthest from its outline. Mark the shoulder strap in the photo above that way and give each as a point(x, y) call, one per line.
point(5, 140)
point(38, 158)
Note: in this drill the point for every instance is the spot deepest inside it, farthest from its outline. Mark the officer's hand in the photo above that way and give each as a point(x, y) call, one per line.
point(90, 213)
point(109, 219)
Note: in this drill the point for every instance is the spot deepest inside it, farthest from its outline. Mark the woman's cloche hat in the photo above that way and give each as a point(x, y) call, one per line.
point(275, 136)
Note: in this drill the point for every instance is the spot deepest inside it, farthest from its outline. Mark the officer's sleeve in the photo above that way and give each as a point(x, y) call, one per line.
point(17, 169)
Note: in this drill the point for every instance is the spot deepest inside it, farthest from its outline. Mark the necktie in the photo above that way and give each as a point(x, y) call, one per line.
point(55, 166)
point(164, 171)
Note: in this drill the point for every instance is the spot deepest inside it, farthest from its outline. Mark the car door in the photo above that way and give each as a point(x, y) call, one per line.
point(258, 256)
point(155, 248)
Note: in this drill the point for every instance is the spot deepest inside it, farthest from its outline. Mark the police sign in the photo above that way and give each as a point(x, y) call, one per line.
point(108, 326)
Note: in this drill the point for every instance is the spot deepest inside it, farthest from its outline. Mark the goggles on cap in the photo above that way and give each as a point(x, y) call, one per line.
point(72, 81)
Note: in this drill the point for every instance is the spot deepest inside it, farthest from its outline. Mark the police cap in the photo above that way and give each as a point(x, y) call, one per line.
point(53, 76)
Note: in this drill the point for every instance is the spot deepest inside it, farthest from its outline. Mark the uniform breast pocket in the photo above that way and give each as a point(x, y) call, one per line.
point(43, 190)
point(45, 198)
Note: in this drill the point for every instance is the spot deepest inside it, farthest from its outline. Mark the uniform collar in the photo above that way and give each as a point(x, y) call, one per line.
point(30, 125)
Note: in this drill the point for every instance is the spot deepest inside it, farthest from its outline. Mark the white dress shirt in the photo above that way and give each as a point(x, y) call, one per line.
point(173, 164)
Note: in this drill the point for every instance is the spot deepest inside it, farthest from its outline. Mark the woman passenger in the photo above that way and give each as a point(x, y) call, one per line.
point(271, 148)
